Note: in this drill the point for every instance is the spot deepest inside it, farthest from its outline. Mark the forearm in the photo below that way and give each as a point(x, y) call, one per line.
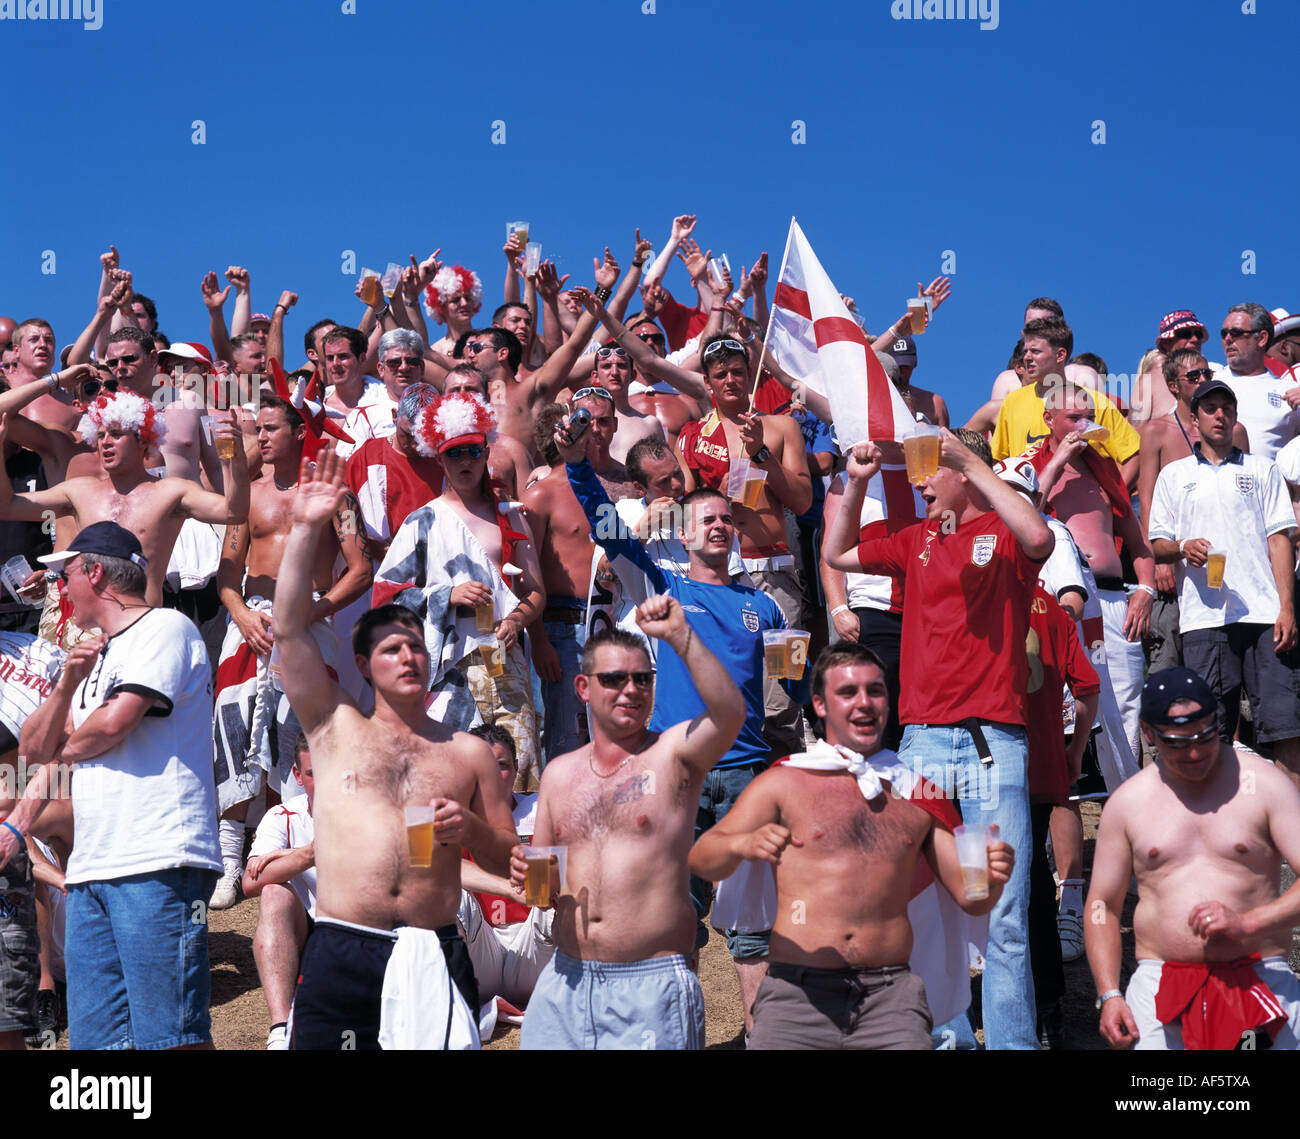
point(792, 491)
point(280, 871)
point(511, 292)
point(80, 353)
point(354, 583)
point(626, 291)
point(243, 314)
point(659, 266)
point(716, 855)
point(893, 332)
point(17, 398)
point(553, 327)
point(1281, 914)
point(1165, 550)
point(490, 846)
point(292, 611)
point(35, 798)
point(275, 335)
point(221, 348)
point(42, 732)
point(478, 881)
point(1022, 519)
point(840, 546)
point(1281, 557)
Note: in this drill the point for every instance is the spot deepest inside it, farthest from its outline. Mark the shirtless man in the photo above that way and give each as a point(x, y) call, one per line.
point(564, 543)
point(250, 563)
point(1205, 829)
point(34, 342)
point(845, 842)
point(611, 370)
point(1084, 490)
point(373, 907)
point(1166, 437)
point(624, 805)
point(153, 509)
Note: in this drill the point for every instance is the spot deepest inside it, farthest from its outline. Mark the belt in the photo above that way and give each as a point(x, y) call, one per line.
point(1111, 583)
point(850, 979)
point(563, 615)
point(768, 558)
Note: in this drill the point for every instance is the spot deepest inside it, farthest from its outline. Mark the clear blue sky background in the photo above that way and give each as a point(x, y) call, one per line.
point(372, 131)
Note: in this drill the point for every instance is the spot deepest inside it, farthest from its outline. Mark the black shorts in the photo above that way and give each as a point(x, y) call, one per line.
point(341, 979)
point(1242, 654)
point(20, 946)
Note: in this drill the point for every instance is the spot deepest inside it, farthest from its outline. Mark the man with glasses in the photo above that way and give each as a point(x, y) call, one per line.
point(612, 372)
point(401, 363)
point(1167, 438)
point(508, 462)
point(624, 808)
point(1205, 829)
point(1269, 417)
point(564, 541)
point(1222, 503)
point(131, 713)
point(671, 407)
point(1178, 330)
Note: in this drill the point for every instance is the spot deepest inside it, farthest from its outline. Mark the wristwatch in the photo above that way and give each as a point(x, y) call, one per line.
point(761, 455)
point(1101, 1000)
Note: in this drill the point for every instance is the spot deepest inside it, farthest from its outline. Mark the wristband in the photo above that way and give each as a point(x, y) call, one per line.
point(602, 293)
point(840, 609)
point(53, 380)
point(1148, 589)
point(1101, 1000)
point(638, 264)
point(285, 307)
point(7, 823)
point(1182, 553)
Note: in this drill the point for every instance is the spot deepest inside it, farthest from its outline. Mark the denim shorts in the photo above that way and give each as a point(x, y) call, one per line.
point(20, 966)
point(137, 960)
point(655, 1004)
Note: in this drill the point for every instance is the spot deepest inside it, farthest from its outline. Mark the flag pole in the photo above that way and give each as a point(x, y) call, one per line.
point(762, 355)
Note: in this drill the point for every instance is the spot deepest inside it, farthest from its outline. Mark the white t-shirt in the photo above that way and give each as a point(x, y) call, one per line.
point(372, 418)
point(1064, 568)
point(150, 803)
point(1235, 505)
point(1262, 410)
point(287, 827)
point(525, 815)
point(29, 668)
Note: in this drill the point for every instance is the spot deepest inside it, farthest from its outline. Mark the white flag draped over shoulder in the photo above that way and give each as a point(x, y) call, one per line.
point(813, 337)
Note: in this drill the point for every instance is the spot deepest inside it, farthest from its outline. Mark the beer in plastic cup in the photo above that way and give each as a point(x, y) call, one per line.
point(921, 453)
point(973, 856)
point(1093, 432)
point(916, 313)
point(518, 229)
point(532, 258)
point(485, 618)
point(493, 657)
point(752, 492)
point(719, 270)
point(391, 279)
point(1215, 563)
point(775, 654)
point(537, 880)
point(419, 835)
point(371, 287)
point(796, 642)
point(225, 448)
point(16, 571)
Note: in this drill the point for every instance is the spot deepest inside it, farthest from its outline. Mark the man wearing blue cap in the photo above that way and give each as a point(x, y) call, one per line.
point(1205, 829)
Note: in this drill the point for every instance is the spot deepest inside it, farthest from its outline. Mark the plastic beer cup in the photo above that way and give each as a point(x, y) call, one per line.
point(973, 857)
point(1215, 564)
point(419, 835)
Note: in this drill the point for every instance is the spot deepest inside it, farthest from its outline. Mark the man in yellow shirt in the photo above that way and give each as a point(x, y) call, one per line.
point(1020, 419)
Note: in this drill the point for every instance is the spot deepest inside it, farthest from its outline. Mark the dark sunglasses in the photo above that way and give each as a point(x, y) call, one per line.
point(599, 393)
point(607, 350)
point(478, 345)
point(468, 451)
point(1198, 374)
point(723, 346)
point(1235, 333)
point(651, 337)
point(1182, 743)
point(1188, 334)
point(395, 362)
point(91, 388)
point(617, 681)
point(113, 361)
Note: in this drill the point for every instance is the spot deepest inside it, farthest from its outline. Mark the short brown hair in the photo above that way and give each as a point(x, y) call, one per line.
point(842, 653)
point(1056, 332)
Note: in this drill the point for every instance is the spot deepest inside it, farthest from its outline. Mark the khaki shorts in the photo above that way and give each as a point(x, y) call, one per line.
point(861, 1009)
point(507, 700)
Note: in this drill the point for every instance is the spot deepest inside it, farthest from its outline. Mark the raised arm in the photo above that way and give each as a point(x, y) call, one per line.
point(97, 329)
point(549, 285)
point(313, 694)
point(242, 317)
point(553, 376)
point(215, 300)
point(703, 741)
point(683, 226)
point(840, 546)
point(275, 334)
point(232, 506)
point(1024, 522)
point(33, 506)
point(628, 286)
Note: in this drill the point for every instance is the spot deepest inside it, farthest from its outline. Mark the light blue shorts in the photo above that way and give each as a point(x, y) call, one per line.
point(615, 1005)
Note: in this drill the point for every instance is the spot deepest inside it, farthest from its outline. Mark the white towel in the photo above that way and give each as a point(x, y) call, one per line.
point(420, 1008)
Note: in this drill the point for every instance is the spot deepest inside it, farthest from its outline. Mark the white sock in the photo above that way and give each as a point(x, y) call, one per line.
point(230, 834)
point(1072, 895)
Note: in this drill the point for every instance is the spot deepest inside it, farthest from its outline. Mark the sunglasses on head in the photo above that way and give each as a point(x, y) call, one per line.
point(91, 388)
point(1196, 375)
point(1235, 333)
point(130, 358)
point(617, 681)
point(599, 393)
point(467, 451)
point(607, 350)
point(1182, 743)
point(727, 345)
point(395, 362)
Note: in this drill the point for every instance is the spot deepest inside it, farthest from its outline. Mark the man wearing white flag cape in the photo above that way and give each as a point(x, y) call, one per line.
point(856, 841)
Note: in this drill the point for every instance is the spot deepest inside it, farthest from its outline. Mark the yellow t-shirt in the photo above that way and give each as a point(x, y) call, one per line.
point(1020, 423)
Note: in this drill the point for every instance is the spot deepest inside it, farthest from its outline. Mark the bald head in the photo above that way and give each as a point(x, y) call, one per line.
point(7, 326)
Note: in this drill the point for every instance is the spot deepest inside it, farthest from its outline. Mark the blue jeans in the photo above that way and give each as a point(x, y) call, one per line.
point(137, 960)
point(564, 716)
point(993, 793)
point(722, 787)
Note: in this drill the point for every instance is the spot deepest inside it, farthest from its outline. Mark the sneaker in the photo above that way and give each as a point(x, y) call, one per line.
point(226, 894)
point(277, 1040)
point(1069, 926)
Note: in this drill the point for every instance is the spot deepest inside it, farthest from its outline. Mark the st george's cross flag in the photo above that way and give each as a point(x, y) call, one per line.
point(813, 338)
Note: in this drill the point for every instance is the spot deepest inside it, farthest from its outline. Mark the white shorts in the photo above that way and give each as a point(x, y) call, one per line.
point(1141, 998)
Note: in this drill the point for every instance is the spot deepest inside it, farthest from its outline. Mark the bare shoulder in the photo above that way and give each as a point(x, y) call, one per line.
point(1131, 795)
point(83, 468)
point(537, 495)
point(1268, 780)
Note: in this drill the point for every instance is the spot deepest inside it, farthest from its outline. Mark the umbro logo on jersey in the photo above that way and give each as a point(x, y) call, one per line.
point(694, 609)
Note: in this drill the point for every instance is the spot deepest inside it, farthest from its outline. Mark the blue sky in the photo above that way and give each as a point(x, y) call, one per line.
point(371, 131)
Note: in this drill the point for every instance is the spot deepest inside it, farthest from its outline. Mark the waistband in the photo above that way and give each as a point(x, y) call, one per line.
point(1111, 584)
point(767, 558)
point(810, 976)
point(650, 966)
point(563, 615)
point(1148, 963)
point(444, 932)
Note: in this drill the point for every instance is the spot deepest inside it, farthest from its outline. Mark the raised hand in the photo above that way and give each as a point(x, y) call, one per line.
point(683, 226)
point(548, 283)
point(287, 299)
point(430, 267)
point(864, 461)
point(643, 247)
point(587, 299)
point(212, 297)
point(238, 276)
point(410, 285)
point(758, 274)
point(321, 490)
point(606, 273)
point(663, 618)
point(688, 252)
point(109, 260)
point(937, 290)
point(513, 248)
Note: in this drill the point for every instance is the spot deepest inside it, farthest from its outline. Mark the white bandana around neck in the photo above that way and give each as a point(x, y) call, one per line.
point(823, 756)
